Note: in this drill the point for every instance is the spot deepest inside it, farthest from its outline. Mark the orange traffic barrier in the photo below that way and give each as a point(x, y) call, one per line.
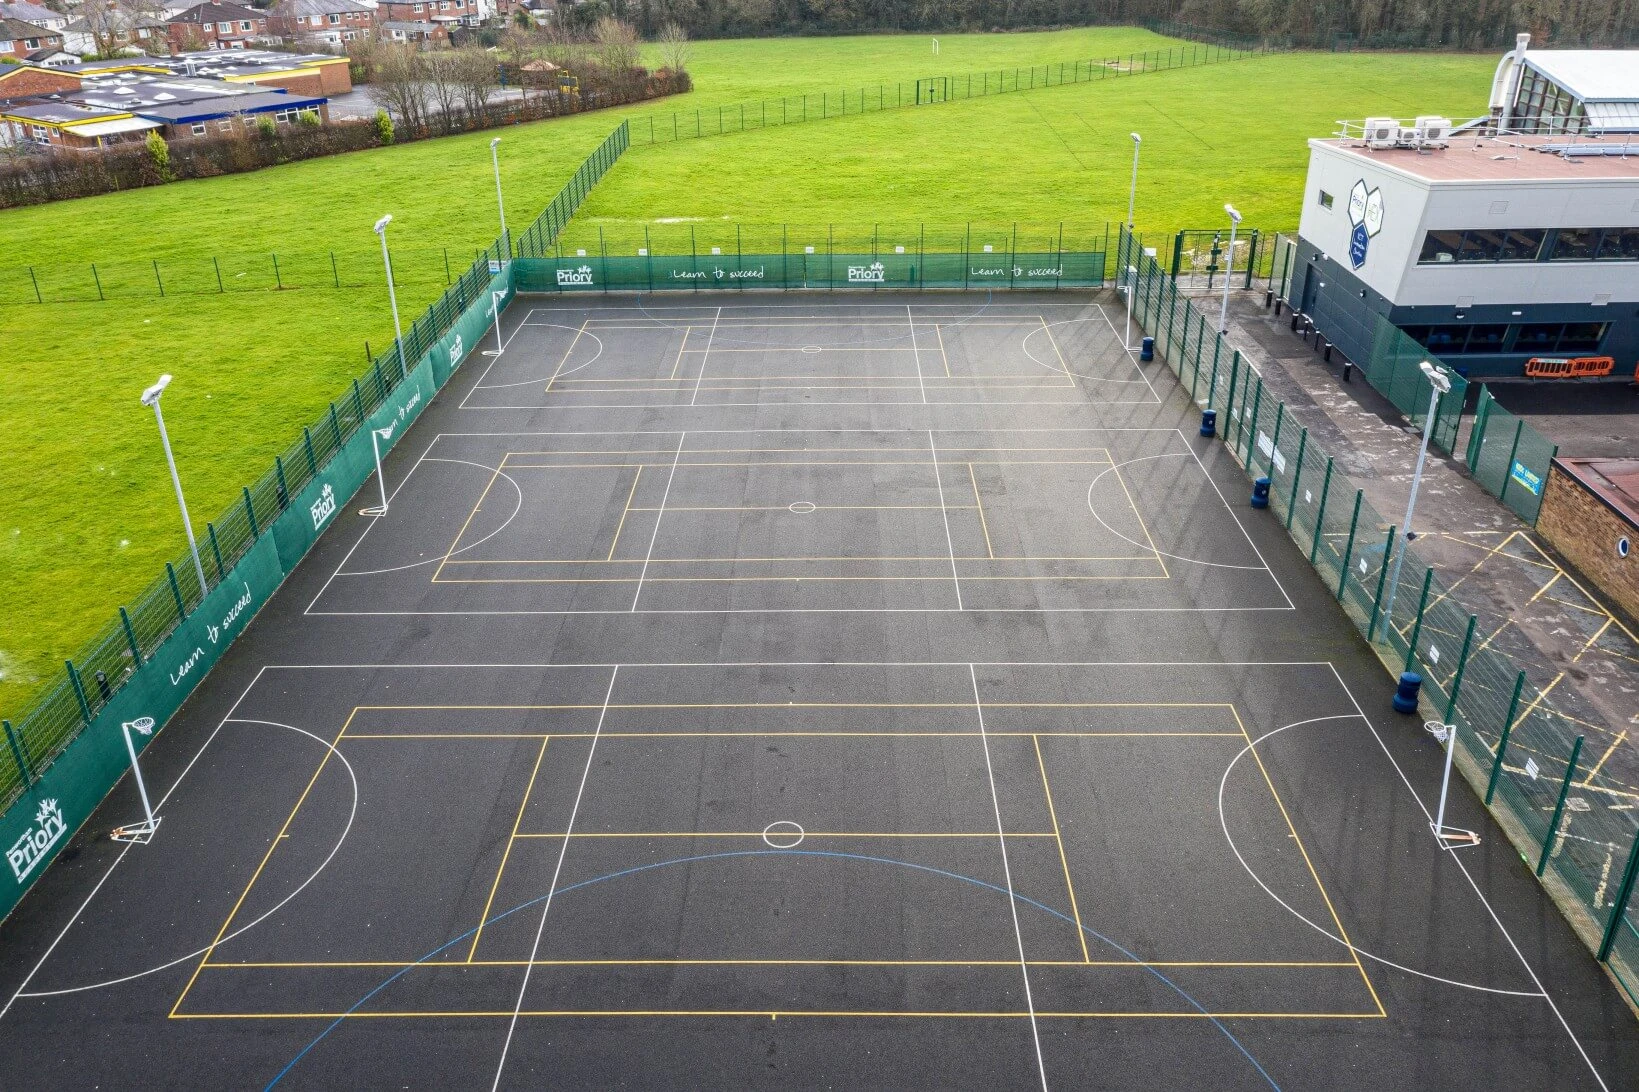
point(1562, 367)
point(1592, 365)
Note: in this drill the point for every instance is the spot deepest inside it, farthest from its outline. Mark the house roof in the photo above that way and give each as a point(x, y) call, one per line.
point(302, 9)
point(114, 125)
point(39, 56)
point(12, 30)
point(214, 12)
point(29, 13)
point(113, 20)
point(1590, 74)
point(133, 91)
point(407, 27)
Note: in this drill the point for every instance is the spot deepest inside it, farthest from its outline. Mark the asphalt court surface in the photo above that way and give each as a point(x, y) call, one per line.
point(733, 696)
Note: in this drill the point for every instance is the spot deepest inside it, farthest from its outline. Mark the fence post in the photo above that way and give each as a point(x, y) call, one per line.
point(250, 513)
point(284, 491)
point(218, 267)
point(216, 551)
point(1476, 435)
point(1377, 596)
point(1502, 740)
point(1212, 383)
point(278, 281)
point(1513, 452)
point(98, 279)
point(1297, 476)
point(1348, 550)
point(1251, 431)
point(1417, 626)
point(157, 280)
point(1462, 666)
point(1229, 407)
point(335, 274)
point(307, 444)
point(1274, 442)
point(176, 592)
point(130, 637)
point(1559, 807)
point(447, 278)
point(358, 403)
point(1623, 893)
point(17, 753)
point(36, 282)
point(335, 426)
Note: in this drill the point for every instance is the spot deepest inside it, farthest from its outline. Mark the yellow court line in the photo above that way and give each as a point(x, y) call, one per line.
point(1577, 585)
point(623, 513)
point(1117, 964)
point(760, 734)
point(1147, 537)
point(1051, 340)
point(836, 705)
point(766, 560)
point(758, 834)
point(678, 363)
point(566, 354)
point(817, 508)
point(775, 1014)
point(465, 524)
point(1577, 606)
point(978, 503)
point(506, 853)
point(1069, 885)
point(1341, 931)
point(683, 382)
point(770, 579)
point(1600, 632)
point(1486, 557)
point(272, 845)
point(801, 451)
point(768, 463)
point(1587, 782)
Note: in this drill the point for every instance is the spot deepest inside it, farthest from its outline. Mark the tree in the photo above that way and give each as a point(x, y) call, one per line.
point(440, 72)
point(384, 127)
point(475, 78)
point(160, 154)
point(675, 51)
point(397, 87)
point(617, 45)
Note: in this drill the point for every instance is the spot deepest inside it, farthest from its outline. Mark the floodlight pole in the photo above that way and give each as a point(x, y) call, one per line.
point(1438, 384)
point(1223, 313)
point(1132, 188)
point(495, 158)
point(392, 295)
point(150, 397)
point(1132, 286)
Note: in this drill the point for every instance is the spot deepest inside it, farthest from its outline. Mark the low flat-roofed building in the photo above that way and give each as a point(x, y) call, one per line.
point(70, 125)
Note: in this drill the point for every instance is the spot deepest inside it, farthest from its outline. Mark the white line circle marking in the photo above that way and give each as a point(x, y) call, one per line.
point(784, 830)
point(812, 349)
point(802, 508)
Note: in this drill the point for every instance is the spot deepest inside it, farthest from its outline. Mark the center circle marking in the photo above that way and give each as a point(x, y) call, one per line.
point(802, 508)
point(812, 349)
point(783, 834)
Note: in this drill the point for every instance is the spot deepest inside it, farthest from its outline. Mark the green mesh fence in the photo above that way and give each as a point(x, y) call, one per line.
point(740, 117)
point(538, 241)
point(1520, 754)
point(1394, 370)
point(1509, 457)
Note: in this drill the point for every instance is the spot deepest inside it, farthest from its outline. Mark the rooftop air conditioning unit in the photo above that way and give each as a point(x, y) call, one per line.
point(1433, 131)
point(1381, 132)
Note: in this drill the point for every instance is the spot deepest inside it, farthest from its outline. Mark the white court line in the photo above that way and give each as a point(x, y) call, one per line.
point(705, 357)
point(1007, 874)
point(1128, 353)
point(563, 851)
point(75, 917)
point(370, 525)
point(1457, 858)
point(629, 665)
point(660, 515)
point(916, 355)
point(945, 515)
point(821, 431)
point(795, 403)
point(1232, 515)
point(784, 610)
point(495, 359)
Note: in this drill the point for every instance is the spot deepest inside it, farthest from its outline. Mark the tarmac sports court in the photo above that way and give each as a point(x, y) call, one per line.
point(801, 690)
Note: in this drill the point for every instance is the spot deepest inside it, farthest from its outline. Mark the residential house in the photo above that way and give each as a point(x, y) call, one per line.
point(332, 22)
point(396, 30)
point(18, 39)
point(51, 58)
point(42, 17)
point(111, 30)
point(216, 25)
point(25, 81)
point(448, 13)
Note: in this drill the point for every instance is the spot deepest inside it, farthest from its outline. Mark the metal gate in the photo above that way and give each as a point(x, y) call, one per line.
point(932, 89)
point(1201, 258)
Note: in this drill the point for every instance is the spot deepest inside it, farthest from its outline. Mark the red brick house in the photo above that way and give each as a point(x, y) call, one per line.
point(19, 39)
point(216, 25)
point(447, 12)
point(332, 22)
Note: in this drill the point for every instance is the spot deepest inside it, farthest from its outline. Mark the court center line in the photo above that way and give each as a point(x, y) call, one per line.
point(624, 512)
point(660, 515)
point(940, 484)
point(978, 502)
point(705, 357)
point(563, 850)
point(915, 355)
point(1007, 874)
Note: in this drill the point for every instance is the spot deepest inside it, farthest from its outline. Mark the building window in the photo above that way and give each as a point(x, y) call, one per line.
point(334, 19)
point(1325, 200)
point(224, 28)
point(1481, 245)
point(1576, 245)
point(1460, 340)
point(225, 125)
point(1545, 338)
point(244, 24)
point(1619, 245)
point(39, 132)
point(1440, 246)
point(198, 129)
point(1521, 246)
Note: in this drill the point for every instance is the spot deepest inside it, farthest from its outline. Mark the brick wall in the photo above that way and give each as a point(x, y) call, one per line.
point(1585, 530)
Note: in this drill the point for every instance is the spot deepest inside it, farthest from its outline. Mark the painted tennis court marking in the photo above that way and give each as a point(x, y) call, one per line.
point(790, 835)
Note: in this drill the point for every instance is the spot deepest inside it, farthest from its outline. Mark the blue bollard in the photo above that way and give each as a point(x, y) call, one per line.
point(1260, 493)
point(1146, 350)
point(1209, 422)
point(1405, 696)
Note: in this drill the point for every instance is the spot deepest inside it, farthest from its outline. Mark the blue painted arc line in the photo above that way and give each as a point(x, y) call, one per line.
point(401, 972)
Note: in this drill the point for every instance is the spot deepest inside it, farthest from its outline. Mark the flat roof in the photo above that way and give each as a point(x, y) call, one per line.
point(1614, 481)
point(61, 113)
point(1513, 157)
point(1590, 73)
point(117, 125)
point(226, 107)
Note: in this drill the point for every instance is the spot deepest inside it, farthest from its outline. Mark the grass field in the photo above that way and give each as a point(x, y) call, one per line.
point(88, 510)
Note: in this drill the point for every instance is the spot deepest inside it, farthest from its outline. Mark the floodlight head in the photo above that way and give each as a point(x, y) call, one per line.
point(1234, 216)
point(151, 395)
point(1136, 138)
point(381, 224)
point(1436, 376)
point(493, 142)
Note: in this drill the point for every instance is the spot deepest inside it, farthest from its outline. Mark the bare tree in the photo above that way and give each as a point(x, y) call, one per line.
point(617, 45)
point(675, 51)
point(397, 86)
point(441, 74)
point(475, 78)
